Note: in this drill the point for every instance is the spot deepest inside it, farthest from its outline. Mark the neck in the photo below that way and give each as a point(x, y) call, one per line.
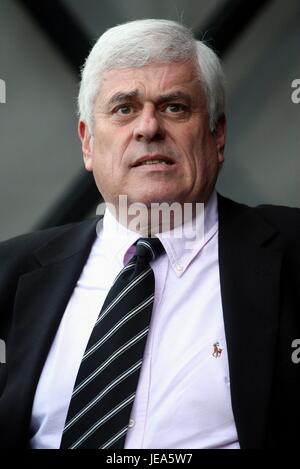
point(156, 218)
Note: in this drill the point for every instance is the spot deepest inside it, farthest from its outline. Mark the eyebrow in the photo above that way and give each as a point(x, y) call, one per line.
point(175, 96)
point(121, 96)
point(125, 96)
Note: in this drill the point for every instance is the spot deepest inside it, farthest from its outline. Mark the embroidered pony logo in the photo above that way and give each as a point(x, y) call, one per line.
point(217, 350)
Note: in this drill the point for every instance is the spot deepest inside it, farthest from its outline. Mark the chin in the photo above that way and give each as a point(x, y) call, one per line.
point(157, 193)
point(156, 198)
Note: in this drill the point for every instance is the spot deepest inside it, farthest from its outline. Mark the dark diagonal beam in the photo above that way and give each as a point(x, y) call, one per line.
point(61, 28)
point(228, 22)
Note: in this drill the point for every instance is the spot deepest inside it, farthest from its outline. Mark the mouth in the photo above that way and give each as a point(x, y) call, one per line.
point(147, 160)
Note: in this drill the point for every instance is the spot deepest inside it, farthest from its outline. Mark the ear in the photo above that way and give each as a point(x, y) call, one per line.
point(220, 135)
point(86, 145)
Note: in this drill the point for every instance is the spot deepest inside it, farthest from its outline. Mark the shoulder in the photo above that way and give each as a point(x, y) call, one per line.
point(26, 243)
point(15, 251)
point(284, 220)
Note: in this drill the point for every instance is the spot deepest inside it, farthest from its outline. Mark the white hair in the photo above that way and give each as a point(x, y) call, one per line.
point(141, 42)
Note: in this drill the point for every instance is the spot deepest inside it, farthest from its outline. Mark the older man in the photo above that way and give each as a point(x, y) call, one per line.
point(115, 339)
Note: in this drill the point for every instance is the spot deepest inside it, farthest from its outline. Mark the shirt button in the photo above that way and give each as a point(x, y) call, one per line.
point(131, 423)
point(179, 267)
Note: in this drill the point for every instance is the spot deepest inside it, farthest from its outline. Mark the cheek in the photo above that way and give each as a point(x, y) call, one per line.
point(101, 142)
point(101, 151)
point(202, 157)
point(110, 146)
point(194, 153)
point(108, 165)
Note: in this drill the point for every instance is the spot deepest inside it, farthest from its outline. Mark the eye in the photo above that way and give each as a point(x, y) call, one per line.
point(174, 108)
point(124, 109)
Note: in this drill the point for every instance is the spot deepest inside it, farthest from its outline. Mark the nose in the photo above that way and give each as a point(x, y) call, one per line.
point(148, 126)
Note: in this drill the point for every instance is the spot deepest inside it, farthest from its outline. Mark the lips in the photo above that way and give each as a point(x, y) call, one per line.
point(153, 159)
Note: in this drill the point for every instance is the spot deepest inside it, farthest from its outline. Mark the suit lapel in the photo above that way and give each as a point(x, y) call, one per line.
point(250, 259)
point(42, 296)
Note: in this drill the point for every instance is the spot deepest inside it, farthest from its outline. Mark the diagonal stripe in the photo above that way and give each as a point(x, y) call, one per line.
point(108, 388)
point(127, 267)
point(104, 419)
point(117, 326)
point(121, 294)
point(114, 438)
point(112, 357)
point(148, 246)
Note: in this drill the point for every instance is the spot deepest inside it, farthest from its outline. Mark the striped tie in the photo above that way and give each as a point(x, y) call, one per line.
point(107, 379)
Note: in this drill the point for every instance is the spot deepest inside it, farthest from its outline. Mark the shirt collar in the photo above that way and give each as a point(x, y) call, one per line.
point(116, 239)
point(181, 244)
point(193, 236)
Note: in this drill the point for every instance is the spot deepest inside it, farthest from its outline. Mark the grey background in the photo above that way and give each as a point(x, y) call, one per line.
point(40, 152)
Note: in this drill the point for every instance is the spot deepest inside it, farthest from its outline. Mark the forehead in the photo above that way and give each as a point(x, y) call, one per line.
point(151, 80)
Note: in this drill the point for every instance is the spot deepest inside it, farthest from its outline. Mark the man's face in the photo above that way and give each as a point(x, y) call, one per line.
point(151, 138)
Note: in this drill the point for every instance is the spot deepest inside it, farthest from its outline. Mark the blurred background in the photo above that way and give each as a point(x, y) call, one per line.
point(44, 43)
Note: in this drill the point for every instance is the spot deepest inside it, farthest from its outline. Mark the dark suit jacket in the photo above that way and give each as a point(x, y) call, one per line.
point(259, 255)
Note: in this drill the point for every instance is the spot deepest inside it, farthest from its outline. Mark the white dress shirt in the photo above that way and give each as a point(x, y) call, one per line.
point(183, 397)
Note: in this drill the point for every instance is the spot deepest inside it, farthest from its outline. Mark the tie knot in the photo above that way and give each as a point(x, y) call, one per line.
point(149, 248)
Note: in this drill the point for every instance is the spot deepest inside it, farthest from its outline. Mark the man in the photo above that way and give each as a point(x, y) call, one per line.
point(216, 370)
